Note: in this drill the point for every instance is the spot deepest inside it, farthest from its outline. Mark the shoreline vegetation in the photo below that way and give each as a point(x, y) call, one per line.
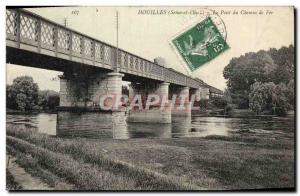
point(234, 113)
point(210, 163)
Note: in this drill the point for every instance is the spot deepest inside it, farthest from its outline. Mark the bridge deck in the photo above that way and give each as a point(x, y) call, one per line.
point(31, 34)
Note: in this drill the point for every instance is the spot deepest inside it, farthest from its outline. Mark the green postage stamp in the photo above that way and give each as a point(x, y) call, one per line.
point(200, 44)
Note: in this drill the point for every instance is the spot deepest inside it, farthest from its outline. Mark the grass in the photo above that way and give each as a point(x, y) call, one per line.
point(11, 184)
point(162, 164)
point(84, 176)
point(121, 176)
point(32, 166)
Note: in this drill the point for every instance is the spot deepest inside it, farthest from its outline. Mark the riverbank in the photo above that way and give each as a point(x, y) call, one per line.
point(238, 113)
point(11, 111)
point(211, 163)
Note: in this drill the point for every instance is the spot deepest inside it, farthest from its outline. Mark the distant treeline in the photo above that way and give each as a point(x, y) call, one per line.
point(24, 95)
point(262, 81)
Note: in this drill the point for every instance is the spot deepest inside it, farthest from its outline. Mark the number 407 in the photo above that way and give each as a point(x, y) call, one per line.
point(75, 12)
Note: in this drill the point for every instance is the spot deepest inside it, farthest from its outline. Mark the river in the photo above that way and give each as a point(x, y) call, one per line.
point(195, 126)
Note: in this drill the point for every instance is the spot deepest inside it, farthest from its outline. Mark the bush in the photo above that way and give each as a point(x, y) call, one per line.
point(260, 97)
point(219, 102)
point(280, 100)
point(48, 100)
point(270, 97)
point(203, 103)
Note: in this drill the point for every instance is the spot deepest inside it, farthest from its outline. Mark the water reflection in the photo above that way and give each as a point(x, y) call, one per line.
point(148, 130)
point(43, 122)
point(204, 126)
point(181, 126)
point(194, 126)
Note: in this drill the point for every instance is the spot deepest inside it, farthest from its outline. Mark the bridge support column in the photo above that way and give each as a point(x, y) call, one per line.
point(102, 85)
point(195, 97)
point(204, 93)
point(80, 113)
point(155, 113)
point(72, 94)
point(196, 93)
point(181, 105)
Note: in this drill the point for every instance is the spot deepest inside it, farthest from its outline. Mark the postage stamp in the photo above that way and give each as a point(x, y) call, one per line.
point(200, 43)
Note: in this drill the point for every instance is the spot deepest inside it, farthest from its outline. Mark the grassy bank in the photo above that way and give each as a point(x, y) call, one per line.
point(78, 160)
point(11, 184)
point(161, 164)
point(31, 165)
point(84, 176)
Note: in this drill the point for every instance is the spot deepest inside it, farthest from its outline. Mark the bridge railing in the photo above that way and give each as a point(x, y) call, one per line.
point(44, 36)
point(132, 64)
point(193, 83)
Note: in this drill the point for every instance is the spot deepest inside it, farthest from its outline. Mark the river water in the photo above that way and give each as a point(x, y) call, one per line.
point(195, 126)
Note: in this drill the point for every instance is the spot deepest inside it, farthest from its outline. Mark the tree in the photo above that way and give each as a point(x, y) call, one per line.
point(227, 96)
point(275, 66)
point(219, 102)
point(203, 103)
point(280, 100)
point(10, 101)
point(269, 97)
point(284, 58)
point(260, 96)
point(48, 99)
point(244, 71)
point(291, 94)
point(22, 94)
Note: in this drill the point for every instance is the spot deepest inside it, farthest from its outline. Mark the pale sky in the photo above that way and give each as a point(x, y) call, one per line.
point(149, 35)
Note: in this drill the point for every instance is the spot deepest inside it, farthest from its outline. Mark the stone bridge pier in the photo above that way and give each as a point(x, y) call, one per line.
point(180, 99)
point(80, 112)
point(175, 101)
point(158, 111)
point(204, 93)
point(185, 99)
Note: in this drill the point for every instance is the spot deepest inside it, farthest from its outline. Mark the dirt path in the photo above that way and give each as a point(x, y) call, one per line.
point(23, 178)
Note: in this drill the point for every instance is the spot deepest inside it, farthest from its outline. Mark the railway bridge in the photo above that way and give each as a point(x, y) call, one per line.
point(92, 68)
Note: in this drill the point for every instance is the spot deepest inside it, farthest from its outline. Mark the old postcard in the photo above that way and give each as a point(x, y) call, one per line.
point(147, 98)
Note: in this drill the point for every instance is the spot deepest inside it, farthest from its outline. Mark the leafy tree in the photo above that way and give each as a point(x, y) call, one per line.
point(22, 94)
point(291, 93)
point(219, 102)
point(21, 102)
point(260, 96)
point(275, 66)
point(48, 99)
point(280, 100)
point(270, 97)
point(244, 71)
point(10, 101)
point(203, 103)
point(284, 58)
point(227, 96)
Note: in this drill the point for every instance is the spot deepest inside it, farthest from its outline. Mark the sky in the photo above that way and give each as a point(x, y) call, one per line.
point(148, 35)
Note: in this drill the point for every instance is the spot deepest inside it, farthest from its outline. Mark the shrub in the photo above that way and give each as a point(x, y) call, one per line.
point(219, 102)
